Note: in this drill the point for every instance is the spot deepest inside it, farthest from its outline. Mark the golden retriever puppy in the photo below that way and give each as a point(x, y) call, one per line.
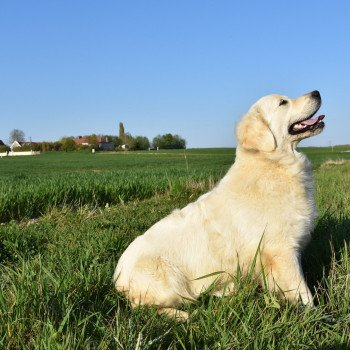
point(265, 204)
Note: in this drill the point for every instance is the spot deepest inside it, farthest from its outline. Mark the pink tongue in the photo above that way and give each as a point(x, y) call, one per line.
point(312, 121)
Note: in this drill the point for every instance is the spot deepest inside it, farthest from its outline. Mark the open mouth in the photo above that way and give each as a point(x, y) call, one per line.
point(308, 124)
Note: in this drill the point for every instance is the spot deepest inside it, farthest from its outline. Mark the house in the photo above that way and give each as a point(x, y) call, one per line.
point(1, 143)
point(26, 152)
point(21, 144)
point(15, 144)
point(85, 140)
point(82, 140)
point(102, 142)
point(106, 146)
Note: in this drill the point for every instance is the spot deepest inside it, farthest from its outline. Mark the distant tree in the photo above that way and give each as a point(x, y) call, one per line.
point(138, 143)
point(83, 147)
point(17, 135)
point(169, 141)
point(115, 139)
point(68, 144)
point(35, 146)
point(46, 146)
point(122, 133)
point(93, 143)
point(128, 138)
point(57, 146)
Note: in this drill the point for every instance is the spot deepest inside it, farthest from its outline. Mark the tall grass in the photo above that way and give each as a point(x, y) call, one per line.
point(31, 197)
point(56, 287)
point(30, 186)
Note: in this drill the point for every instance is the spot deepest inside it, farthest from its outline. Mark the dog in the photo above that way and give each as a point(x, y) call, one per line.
point(265, 204)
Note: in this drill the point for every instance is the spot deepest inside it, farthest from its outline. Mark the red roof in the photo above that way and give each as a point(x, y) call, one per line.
point(85, 139)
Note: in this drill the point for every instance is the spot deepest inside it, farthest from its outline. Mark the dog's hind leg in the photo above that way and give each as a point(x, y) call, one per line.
point(156, 281)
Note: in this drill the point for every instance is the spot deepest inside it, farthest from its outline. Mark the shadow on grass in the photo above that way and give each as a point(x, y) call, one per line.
point(328, 239)
point(335, 347)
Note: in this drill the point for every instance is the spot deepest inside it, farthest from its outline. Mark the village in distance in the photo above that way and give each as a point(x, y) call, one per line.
point(18, 145)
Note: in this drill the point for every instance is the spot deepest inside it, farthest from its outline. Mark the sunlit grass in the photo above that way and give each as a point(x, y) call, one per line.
point(56, 272)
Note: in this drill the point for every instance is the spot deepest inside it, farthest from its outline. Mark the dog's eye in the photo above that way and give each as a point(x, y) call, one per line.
point(283, 102)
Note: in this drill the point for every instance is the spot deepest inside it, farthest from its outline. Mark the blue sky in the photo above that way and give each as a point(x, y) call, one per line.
point(71, 68)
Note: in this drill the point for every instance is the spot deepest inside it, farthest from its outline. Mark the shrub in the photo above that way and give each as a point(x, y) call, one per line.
point(4, 148)
point(139, 143)
point(36, 147)
point(25, 148)
point(169, 141)
point(68, 144)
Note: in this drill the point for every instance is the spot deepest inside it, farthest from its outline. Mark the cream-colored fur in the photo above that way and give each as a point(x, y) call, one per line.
point(265, 203)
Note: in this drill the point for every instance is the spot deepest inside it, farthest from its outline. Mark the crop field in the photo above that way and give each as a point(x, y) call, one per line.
point(30, 186)
point(67, 217)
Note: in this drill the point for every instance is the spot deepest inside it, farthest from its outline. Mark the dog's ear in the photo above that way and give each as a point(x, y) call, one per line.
point(253, 133)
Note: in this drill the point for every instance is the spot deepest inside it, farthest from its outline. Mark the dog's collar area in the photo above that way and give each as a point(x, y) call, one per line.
point(308, 124)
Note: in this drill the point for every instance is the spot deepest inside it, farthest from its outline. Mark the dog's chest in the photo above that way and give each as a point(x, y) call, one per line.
point(291, 204)
point(279, 193)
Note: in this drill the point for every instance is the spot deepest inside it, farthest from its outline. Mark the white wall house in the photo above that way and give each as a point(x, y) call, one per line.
point(17, 144)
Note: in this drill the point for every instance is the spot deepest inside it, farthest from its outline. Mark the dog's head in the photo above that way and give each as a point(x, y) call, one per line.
point(277, 121)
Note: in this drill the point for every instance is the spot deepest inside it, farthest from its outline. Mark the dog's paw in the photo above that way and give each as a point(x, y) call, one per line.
point(178, 315)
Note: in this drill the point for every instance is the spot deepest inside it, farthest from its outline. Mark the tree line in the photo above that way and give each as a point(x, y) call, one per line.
point(121, 142)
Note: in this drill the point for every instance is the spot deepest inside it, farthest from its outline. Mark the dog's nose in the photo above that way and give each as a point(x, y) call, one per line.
point(315, 94)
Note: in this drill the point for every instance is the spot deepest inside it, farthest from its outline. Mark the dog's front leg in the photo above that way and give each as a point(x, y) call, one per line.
point(283, 274)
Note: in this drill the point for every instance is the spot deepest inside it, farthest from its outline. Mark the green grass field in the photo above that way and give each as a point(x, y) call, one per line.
point(67, 217)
